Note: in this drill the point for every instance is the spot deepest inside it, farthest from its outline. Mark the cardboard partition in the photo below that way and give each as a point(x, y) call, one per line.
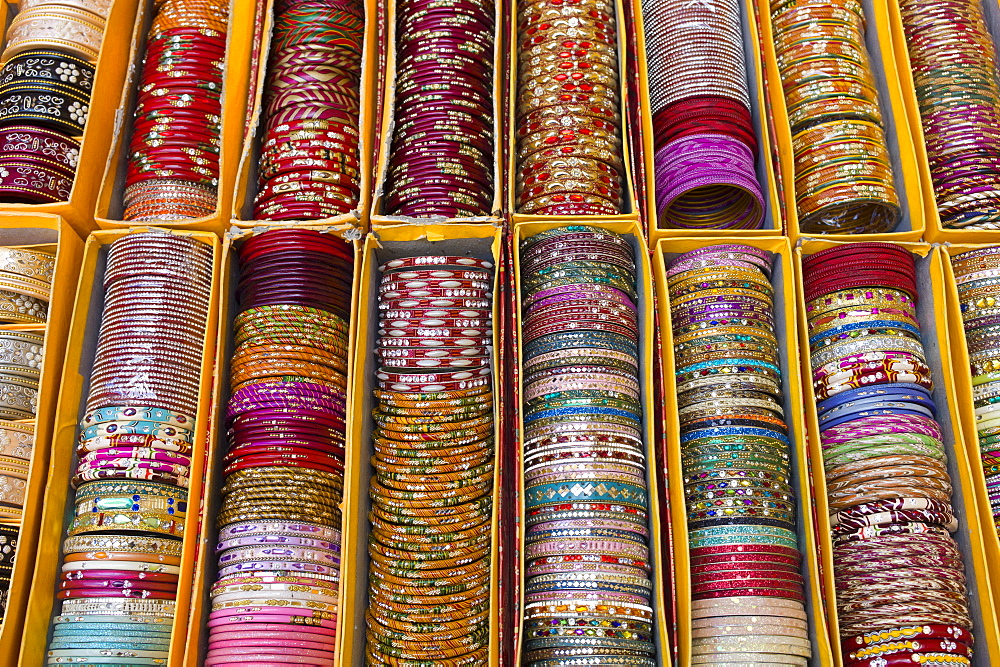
point(900, 141)
point(935, 336)
point(630, 208)
point(966, 416)
point(69, 409)
point(633, 233)
point(95, 144)
point(785, 303)
point(387, 123)
point(483, 242)
point(247, 156)
point(236, 74)
point(206, 566)
point(934, 232)
point(764, 167)
point(51, 234)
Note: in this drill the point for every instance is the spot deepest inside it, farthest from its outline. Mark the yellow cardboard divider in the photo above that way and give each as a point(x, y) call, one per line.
point(632, 231)
point(966, 416)
point(83, 332)
point(246, 183)
point(379, 218)
point(765, 166)
point(785, 329)
point(630, 208)
point(98, 134)
point(236, 76)
point(52, 234)
point(931, 312)
point(903, 156)
point(206, 566)
point(484, 242)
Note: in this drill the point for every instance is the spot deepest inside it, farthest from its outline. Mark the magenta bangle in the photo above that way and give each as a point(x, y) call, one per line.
point(33, 182)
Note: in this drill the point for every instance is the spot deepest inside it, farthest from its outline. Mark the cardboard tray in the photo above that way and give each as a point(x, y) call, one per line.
point(239, 43)
point(58, 505)
point(634, 234)
point(98, 134)
point(764, 166)
point(785, 329)
point(484, 242)
point(206, 566)
point(53, 234)
point(247, 157)
point(903, 156)
point(931, 311)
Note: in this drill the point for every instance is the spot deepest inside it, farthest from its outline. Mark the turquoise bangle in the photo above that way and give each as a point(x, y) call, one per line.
point(615, 493)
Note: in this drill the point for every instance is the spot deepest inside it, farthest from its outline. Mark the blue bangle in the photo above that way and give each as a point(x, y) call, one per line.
point(556, 412)
point(879, 413)
point(889, 400)
point(867, 324)
point(728, 362)
point(866, 392)
point(762, 432)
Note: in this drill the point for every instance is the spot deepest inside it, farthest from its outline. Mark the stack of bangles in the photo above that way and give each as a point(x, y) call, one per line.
point(588, 591)
point(895, 562)
point(977, 275)
point(432, 485)
point(746, 581)
point(442, 153)
point(122, 556)
point(310, 165)
point(703, 134)
point(569, 146)
point(25, 287)
point(46, 80)
point(173, 160)
point(955, 76)
point(275, 599)
point(843, 176)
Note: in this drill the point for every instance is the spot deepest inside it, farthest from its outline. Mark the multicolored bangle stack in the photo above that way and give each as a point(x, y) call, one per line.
point(569, 146)
point(280, 520)
point(173, 160)
point(432, 488)
point(704, 137)
point(955, 76)
point(746, 580)
point(25, 288)
point(976, 276)
point(441, 161)
point(843, 175)
point(587, 572)
point(46, 79)
point(310, 165)
point(896, 566)
point(123, 551)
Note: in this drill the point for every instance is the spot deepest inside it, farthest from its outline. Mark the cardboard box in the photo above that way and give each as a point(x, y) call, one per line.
point(80, 350)
point(97, 137)
point(239, 45)
point(931, 312)
point(387, 122)
point(484, 242)
point(246, 179)
point(630, 211)
point(903, 156)
point(764, 166)
point(966, 418)
point(206, 566)
point(785, 329)
point(52, 234)
point(633, 233)
point(934, 232)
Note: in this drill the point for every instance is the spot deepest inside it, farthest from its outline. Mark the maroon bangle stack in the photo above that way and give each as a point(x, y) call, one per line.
point(173, 158)
point(442, 153)
point(310, 157)
point(122, 554)
point(280, 521)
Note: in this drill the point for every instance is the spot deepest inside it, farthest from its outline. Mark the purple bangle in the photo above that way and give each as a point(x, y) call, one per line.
point(33, 183)
point(289, 540)
point(246, 529)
